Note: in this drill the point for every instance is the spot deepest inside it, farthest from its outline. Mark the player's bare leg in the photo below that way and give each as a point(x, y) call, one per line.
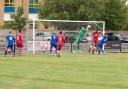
point(50, 51)
point(55, 51)
point(78, 47)
point(99, 50)
point(18, 51)
point(75, 47)
point(58, 50)
point(21, 51)
point(58, 53)
point(90, 48)
point(96, 46)
point(93, 50)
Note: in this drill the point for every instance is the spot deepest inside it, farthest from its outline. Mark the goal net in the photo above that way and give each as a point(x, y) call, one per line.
point(39, 34)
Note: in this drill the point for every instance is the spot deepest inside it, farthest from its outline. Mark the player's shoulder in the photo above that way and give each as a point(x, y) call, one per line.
point(59, 35)
point(19, 34)
point(93, 32)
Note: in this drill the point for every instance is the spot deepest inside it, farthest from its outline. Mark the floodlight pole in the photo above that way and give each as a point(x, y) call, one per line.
point(33, 36)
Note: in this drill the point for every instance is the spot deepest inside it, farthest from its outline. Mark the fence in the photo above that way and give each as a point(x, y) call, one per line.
point(42, 43)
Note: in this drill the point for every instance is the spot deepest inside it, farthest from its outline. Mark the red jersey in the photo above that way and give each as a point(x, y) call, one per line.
point(60, 39)
point(19, 37)
point(19, 40)
point(95, 36)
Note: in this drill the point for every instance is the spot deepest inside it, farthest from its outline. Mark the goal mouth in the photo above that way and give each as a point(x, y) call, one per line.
point(40, 29)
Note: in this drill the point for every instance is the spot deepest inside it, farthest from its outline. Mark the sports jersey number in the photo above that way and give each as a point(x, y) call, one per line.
point(10, 38)
point(60, 38)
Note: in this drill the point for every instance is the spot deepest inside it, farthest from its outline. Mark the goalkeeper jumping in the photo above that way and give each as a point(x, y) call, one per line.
point(81, 33)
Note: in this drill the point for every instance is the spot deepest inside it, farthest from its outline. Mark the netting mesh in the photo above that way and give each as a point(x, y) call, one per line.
point(39, 34)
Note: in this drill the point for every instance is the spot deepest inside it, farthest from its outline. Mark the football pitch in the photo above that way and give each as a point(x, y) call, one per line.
point(71, 71)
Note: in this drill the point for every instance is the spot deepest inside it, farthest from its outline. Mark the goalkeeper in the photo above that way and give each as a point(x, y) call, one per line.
point(81, 33)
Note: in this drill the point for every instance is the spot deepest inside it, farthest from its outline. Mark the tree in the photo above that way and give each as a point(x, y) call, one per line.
point(115, 14)
point(18, 21)
point(70, 9)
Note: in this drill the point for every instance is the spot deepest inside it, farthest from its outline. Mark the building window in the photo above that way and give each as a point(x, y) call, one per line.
point(33, 6)
point(9, 6)
point(9, 2)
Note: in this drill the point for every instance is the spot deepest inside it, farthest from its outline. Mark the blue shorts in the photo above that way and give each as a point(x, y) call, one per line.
point(12, 47)
point(9, 46)
point(100, 46)
point(53, 45)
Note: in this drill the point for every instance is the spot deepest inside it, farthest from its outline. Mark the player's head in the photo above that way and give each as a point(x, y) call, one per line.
point(10, 32)
point(82, 26)
point(19, 31)
point(60, 32)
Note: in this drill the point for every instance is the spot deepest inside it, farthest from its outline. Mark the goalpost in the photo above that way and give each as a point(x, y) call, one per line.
point(64, 25)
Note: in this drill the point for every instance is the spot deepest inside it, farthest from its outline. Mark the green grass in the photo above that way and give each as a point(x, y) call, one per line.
point(71, 71)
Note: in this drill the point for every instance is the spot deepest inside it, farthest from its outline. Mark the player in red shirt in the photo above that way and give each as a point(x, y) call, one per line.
point(19, 42)
point(95, 36)
point(60, 42)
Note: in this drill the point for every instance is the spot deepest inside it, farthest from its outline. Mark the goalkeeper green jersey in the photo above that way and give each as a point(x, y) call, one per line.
point(82, 31)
